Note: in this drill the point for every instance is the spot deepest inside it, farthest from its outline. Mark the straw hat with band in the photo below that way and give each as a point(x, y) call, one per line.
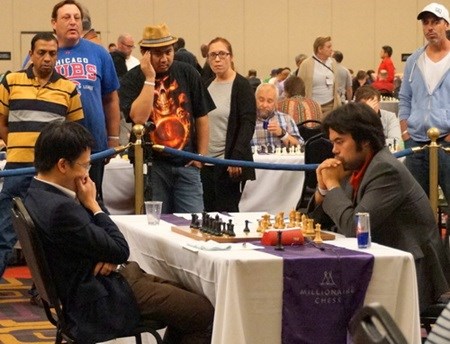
point(157, 36)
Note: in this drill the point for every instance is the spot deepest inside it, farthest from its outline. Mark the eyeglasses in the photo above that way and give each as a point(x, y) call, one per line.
point(128, 45)
point(86, 166)
point(221, 54)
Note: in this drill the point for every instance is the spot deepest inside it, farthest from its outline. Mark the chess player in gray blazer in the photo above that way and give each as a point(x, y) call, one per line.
point(365, 177)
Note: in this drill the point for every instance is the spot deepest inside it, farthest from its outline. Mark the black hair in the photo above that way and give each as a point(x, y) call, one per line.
point(387, 49)
point(360, 121)
point(60, 140)
point(45, 36)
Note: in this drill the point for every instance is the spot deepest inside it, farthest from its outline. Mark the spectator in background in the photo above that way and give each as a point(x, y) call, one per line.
point(386, 65)
point(278, 80)
point(125, 44)
point(29, 99)
point(318, 73)
point(92, 69)
point(344, 79)
point(183, 55)
point(298, 61)
point(424, 97)
point(89, 32)
point(385, 87)
point(371, 76)
point(273, 127)
point(231, 127)
point(112, 47)
point(253, 79)
point(207, 73)
point(391, 126)
point(359, 80)
point(296, 105)
point(180, 117)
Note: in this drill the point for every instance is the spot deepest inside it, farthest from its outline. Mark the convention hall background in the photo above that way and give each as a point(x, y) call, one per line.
point(264, 33)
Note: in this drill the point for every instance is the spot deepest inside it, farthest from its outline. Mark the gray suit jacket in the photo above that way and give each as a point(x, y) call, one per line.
point(400, 217)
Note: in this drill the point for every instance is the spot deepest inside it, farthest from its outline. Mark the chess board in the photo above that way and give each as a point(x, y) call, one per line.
point(240, 237)
point(198, 235)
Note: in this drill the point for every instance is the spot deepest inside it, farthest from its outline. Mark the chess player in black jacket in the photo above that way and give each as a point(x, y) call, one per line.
point(84, 247)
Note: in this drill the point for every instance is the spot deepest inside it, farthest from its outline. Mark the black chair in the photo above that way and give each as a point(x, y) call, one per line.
point(42, 278)
point(307, 131)
point(317, 149)
point(364, 330)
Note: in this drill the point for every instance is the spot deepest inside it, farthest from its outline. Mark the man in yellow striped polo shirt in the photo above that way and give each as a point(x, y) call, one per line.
point(29, 99)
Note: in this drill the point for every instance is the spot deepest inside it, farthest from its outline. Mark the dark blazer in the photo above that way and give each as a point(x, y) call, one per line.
point(98, 307)
point(400, 217)
point(241, 124)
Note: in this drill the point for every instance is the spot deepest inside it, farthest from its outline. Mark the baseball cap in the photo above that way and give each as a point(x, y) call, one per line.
point(437, 9)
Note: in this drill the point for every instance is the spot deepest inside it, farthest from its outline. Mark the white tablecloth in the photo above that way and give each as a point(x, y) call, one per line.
point(273, 190)
point(118, 187)
point(245, 286)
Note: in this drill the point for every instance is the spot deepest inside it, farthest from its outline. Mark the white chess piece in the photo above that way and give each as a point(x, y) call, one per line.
point(283, 151)
point(278, 150)
point(256, 147)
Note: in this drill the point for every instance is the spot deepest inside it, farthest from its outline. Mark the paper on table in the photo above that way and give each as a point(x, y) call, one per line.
point(212, 245)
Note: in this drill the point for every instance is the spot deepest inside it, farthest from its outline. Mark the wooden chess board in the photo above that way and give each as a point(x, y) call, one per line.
point(198, 235)
point(240, 237)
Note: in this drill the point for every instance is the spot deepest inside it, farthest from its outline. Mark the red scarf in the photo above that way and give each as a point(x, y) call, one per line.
point(357, 176)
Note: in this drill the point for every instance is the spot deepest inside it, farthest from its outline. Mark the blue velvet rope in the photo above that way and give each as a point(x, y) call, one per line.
point(192, 156)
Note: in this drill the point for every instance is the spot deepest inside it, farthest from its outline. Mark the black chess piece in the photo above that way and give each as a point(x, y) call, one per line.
point(279, 246)
point(231, 231)
point(194, 218)
point(246, 229)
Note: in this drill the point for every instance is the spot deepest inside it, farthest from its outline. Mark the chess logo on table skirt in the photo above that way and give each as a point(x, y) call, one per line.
point(327, 291)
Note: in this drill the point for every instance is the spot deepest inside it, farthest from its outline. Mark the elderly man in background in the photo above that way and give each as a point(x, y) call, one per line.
point(424, 97)
point(273, 127)
point(318, 73)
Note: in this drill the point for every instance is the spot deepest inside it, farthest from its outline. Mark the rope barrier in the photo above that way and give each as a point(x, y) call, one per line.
point(94, 157)
point(192, 156)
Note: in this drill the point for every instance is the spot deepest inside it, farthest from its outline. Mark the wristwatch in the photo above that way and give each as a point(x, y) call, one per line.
point(283, 132)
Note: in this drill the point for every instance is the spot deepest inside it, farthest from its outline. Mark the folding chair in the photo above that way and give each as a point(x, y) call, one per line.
point(42, 278)
point(384, 330)
point(317, 149)
point(309, 128)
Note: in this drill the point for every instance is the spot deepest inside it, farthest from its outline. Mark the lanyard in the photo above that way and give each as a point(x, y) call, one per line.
point(323, 64)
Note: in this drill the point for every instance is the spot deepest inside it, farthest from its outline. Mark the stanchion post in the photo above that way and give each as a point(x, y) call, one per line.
point(433, 134)
point(138, 130)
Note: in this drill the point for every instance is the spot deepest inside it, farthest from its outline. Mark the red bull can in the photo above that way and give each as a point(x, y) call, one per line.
point(363, 230)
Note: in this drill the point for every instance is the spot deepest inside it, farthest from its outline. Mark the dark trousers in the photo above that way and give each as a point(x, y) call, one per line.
point(96, 173)
point(189, 316)
point(220, 192)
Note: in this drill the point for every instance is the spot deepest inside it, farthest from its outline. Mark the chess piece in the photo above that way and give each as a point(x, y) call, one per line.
point(260, 228)
point(318, 237)
point(194, 218)
point(291, 223)
point(246, 229)
point(231, 230)
point(283, 151)
point(279, 246)
point(309, 227)
point(278, 150)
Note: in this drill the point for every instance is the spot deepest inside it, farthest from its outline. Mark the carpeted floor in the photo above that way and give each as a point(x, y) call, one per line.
point(20, 322)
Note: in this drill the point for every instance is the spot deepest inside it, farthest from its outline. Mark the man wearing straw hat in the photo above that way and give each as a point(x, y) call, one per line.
point(171, 95)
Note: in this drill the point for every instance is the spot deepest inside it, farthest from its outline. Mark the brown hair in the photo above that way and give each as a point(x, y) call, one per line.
point(224, 41)
point(63, 3)
point(294, 86)
point(320, 42)
point(366, 92)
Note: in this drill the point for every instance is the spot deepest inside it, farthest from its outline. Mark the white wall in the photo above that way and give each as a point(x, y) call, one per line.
point(265, 34)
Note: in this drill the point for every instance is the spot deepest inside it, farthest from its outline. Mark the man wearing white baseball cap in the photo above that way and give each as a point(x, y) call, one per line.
point(424, 97)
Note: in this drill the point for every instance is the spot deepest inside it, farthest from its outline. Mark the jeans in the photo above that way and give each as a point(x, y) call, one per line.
point(12, 187)
point(178, 187)
point(418, 165)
